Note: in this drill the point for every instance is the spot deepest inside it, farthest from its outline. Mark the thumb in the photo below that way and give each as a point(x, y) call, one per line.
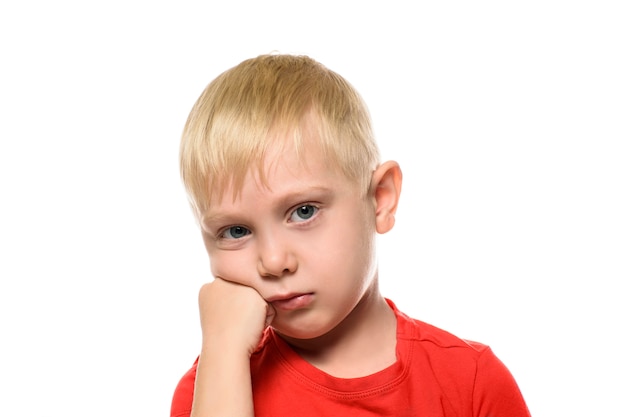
point(269, 315)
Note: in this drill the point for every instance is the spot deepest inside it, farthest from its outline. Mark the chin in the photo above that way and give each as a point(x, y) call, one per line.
point(302, 331)
point(298, 334)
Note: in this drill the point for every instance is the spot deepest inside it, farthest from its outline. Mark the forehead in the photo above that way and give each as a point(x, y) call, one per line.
point(303, 153)
point(284, 173)
point(288, 163)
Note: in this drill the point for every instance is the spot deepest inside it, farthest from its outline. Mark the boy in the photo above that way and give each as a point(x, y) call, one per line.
point(283, 174)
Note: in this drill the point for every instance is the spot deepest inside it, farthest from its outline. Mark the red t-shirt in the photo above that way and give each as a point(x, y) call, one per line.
point(436, 374)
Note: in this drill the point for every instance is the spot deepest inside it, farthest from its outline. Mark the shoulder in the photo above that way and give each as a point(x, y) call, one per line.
point(455, 365)
point(445, 355)
point(433, 337)
point(440, 351)
point(183, 394)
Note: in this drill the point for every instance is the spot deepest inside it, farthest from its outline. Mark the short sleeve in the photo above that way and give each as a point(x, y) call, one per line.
point(183, 394)
point(496, 393)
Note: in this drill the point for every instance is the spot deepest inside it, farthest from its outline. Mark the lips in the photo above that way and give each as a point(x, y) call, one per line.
point(291, 301)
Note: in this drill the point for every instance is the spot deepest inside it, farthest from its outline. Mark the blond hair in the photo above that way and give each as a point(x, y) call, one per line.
point(245, 109)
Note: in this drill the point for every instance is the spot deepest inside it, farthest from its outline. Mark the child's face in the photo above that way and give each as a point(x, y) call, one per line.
point(305, 242)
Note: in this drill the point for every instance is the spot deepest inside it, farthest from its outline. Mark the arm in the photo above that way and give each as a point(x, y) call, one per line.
point(233, 318)
point(496, 391)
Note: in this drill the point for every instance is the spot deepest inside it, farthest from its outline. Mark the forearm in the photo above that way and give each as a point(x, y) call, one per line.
point(223, 386)
point(232, 317)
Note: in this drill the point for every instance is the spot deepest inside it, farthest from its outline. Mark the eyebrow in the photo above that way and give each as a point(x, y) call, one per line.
point(305, 194)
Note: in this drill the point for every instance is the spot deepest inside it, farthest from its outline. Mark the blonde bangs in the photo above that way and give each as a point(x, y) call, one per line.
point(272, 100)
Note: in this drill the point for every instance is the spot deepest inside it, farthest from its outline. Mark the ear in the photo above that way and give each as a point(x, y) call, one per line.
point(386, 186)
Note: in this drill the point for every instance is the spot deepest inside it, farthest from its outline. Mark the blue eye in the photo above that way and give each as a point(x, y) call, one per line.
point(303, 213)
point(235, 232)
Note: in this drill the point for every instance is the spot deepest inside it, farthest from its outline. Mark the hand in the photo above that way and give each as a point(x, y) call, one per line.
point(232, 317)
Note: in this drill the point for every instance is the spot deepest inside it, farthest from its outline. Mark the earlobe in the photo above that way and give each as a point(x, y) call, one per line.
point(386, 186)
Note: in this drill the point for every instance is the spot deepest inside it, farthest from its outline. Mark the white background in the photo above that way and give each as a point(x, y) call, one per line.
point(508, 119)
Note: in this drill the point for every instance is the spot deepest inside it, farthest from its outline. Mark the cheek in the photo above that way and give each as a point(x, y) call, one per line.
point(228, 265)
point(347, 247)
point(232, 266)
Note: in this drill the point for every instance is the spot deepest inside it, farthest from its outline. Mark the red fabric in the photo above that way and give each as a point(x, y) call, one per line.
point(436, 374)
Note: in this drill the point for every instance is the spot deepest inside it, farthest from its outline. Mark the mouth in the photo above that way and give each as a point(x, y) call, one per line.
point(291, 301)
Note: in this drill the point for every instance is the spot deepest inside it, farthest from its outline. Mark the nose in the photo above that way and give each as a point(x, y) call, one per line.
point(276, 257)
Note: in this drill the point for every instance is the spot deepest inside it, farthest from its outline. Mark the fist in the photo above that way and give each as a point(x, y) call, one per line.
point(232, 316)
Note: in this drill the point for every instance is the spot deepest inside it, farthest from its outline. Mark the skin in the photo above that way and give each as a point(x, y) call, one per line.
point(297, 253)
